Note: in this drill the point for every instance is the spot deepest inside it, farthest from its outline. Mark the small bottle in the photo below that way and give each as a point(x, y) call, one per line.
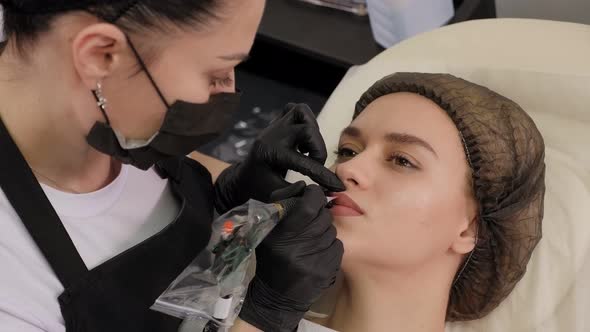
point(220, 313)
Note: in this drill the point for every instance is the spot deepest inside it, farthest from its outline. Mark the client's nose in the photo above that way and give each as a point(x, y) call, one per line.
point(352, 175)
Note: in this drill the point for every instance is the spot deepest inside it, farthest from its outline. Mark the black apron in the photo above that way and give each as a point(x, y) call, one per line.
point(117, 295)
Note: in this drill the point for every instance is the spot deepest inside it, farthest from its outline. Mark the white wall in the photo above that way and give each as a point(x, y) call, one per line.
point(560, 10)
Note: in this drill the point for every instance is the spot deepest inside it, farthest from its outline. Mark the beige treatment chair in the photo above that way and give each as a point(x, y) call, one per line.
point(545, 67)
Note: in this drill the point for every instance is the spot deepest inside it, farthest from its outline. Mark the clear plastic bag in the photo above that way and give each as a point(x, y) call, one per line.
point(213, 286)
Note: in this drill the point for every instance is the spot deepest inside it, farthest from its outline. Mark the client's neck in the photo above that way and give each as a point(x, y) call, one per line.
point(390, 301)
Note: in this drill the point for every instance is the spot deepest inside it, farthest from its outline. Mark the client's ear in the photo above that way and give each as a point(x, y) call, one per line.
point(465, 242)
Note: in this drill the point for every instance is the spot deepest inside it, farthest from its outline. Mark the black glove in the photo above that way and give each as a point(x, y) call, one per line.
point(297, 262)
point(279, 148)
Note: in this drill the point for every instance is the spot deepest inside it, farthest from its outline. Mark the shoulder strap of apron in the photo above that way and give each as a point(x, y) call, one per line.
point(170, 168)
point(37, 214)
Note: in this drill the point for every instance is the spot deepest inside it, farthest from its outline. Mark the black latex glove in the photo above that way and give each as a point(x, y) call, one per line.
point(279, 148)
point(295, 264)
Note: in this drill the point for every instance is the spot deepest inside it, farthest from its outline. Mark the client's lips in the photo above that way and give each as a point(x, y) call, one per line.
point(345, 206)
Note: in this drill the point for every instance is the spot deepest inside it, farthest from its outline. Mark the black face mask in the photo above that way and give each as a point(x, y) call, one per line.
point(186, 127)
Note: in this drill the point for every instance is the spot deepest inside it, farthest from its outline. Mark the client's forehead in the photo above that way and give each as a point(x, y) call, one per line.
point(407, 113)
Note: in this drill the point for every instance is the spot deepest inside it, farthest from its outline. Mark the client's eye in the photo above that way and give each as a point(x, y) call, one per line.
point(401, 160)
point(345, 154)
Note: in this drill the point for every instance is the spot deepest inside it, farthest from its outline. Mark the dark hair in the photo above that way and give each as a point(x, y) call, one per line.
point(26, 20)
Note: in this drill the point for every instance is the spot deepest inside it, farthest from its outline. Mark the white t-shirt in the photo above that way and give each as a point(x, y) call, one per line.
point(135, 206)
point(307, 326)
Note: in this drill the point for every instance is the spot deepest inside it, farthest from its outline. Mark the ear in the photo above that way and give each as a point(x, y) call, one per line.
point(466, 240)
point(97, 51)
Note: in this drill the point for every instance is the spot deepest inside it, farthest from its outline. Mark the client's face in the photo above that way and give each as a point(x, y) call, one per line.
point(404, 166)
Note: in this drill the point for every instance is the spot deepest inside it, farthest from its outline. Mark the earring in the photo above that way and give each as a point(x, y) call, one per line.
point(101, 101)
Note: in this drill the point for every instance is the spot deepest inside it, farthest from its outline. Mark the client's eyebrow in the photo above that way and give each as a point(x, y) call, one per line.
point(393, 138)
point(409, 139)
point(352, 132)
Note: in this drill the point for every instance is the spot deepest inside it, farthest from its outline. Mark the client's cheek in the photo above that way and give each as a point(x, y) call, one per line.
point(409, 204)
